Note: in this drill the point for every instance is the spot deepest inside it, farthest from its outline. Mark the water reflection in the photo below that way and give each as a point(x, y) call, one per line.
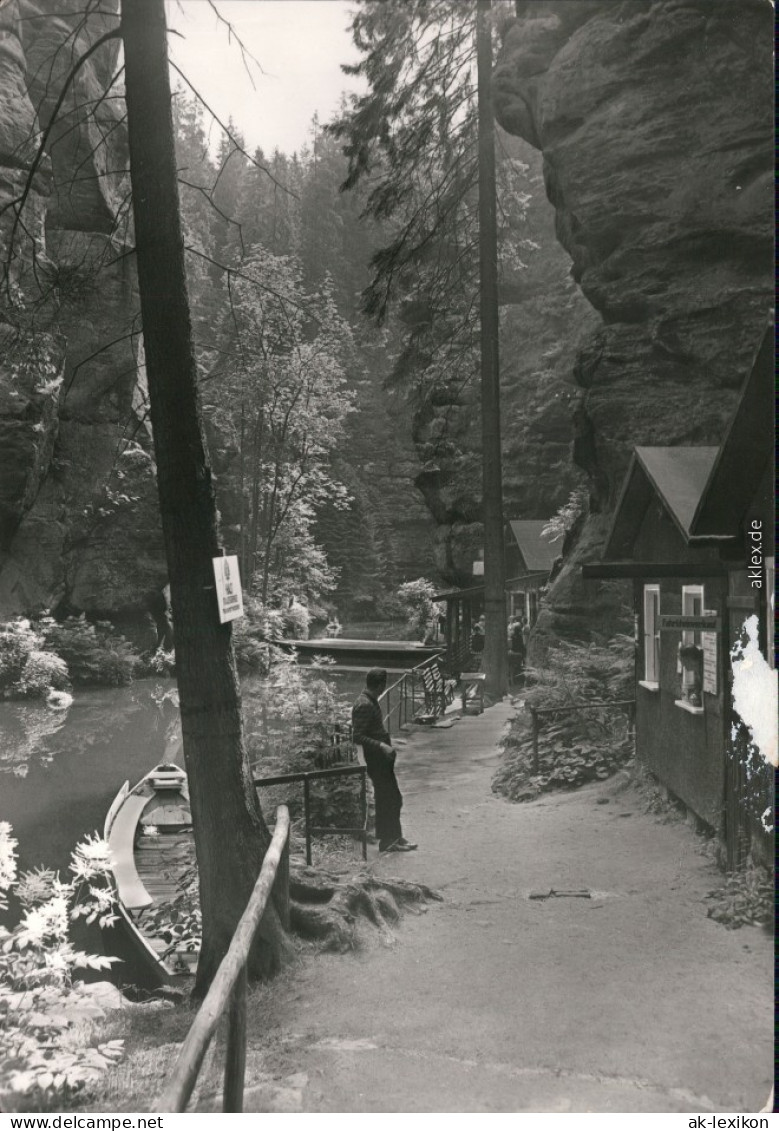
point(60, 770)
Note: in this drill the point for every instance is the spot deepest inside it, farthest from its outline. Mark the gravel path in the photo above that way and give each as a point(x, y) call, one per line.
point(631, 1000)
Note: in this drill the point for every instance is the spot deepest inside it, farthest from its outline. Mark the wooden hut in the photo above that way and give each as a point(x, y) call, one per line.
point(694, 531)
point(530, 561)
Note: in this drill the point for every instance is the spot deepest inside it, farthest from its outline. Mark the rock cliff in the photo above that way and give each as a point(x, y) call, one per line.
point(78, 518)
point(654, 121)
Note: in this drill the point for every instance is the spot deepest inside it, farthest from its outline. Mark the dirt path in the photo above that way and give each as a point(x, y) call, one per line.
point(630, 1001)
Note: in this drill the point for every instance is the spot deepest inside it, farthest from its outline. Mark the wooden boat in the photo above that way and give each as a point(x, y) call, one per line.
point(149, 832)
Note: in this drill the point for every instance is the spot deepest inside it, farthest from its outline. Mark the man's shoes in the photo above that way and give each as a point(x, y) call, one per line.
point(397, 846)
point(407, 844)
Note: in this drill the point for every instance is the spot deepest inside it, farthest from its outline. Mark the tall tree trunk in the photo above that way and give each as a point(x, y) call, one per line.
point(230, 834)
point(495, 645)
point(241, 483)
point(259, 430)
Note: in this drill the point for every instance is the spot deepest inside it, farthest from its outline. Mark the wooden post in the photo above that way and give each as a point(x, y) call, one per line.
point(364, 807)
point(534, 718)
point(281, 888)
point(495, 643)
point(235, 1061)
point(307, 816)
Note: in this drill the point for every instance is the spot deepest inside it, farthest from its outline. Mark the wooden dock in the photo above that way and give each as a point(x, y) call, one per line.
point(392, 654)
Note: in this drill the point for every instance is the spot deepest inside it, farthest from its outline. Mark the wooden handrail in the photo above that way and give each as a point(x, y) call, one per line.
point(306, 777)
point(406, 689)
point(227, 989)
point(583, 706)
point(536, 723)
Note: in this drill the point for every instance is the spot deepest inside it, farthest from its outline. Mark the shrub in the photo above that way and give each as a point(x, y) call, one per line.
point(567, 516)
point(574, 747)
point(45, 1053)
point(251, 633)
point(416, 600)
point(94, 653)
point(18, 641)
point(42, 673)
point(295, 619)
point(162, 662)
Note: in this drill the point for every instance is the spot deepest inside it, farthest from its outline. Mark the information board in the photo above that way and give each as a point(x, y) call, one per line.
point(709, 645)
point(228, 588)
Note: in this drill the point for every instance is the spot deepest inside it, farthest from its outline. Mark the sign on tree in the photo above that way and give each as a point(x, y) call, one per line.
point(228, 588)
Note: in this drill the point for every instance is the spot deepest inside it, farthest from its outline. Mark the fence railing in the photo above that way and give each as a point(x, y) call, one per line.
point(309, 776)
point(537, 712)
point(229, 988)
point(400, 702)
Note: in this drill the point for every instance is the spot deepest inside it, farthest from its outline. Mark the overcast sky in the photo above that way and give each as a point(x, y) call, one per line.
point(299, 44)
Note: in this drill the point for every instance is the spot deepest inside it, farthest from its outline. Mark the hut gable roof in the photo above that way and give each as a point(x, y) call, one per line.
point(744, 454)
point(538, 554)
point(675, 475)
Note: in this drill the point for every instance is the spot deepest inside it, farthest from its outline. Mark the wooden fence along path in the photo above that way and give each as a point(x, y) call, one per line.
point(309, 776)
point(537, 712)
point(229, 988)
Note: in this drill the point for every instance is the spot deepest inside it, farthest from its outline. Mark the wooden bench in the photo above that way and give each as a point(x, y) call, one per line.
point(121, 842)
point(439, 692)
point(472, 682)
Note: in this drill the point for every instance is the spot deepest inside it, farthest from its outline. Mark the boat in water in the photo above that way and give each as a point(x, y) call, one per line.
point(149, 833)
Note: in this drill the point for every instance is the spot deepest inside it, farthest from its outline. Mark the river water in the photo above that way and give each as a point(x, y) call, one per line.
point(60, 770)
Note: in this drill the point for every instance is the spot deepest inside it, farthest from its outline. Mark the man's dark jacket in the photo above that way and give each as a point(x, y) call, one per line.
point(368, 724)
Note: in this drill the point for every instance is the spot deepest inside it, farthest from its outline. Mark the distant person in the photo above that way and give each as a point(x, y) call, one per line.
point(369, 731)
point(517, 651)
point(477, 636)
point(334, 629)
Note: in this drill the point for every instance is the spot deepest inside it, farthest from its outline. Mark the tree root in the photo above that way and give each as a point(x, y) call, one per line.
point(327, 908)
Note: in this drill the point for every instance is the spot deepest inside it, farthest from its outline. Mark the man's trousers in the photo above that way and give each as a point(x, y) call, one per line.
point(389, 802)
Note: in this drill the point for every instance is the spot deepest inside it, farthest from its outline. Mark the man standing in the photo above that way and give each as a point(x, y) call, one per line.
point(516, 651)
point(369, 731)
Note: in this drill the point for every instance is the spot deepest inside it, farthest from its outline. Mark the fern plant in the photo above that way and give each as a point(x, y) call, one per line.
point(43, 1009)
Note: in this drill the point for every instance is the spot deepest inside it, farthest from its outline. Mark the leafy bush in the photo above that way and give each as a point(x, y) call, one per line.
point(94, 653)
point(295, 620)
point(18, 641)
point(163, 662)
point(567, 516)
point(577, 746)
point(25, 668)
point(745, 899)
point(251, 633)
point(42, 673)
point(416, 600)
point(45, 1052)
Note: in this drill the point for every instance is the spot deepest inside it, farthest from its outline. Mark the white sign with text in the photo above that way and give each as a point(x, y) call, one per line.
point(228, 588)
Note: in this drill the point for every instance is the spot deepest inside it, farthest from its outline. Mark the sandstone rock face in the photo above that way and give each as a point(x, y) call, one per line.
point(654, 120)
point(79, 527)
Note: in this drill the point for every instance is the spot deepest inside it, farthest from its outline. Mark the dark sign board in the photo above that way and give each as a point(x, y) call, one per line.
point(689, 624)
